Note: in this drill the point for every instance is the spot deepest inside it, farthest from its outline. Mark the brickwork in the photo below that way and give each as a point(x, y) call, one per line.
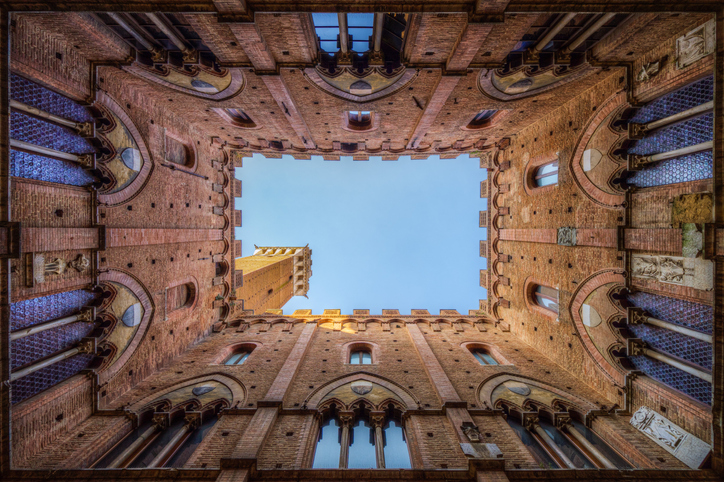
point(175, 227)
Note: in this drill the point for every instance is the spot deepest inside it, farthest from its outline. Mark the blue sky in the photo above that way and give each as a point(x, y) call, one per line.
point(384, 234)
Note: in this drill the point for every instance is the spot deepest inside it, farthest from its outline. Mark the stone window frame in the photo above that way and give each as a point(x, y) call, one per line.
point(492, 350)
point(374, 122)
point(227, 351)
point(221, 112)
point(351, 346)
point(191, 304)
point(531, 303)
point(191, 163)
point(531, 168)
point(493, 121)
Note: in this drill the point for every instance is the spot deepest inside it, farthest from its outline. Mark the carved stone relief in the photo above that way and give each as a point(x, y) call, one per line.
point(695, 45)
point(692, 272)
point(43, 267)
point(674, 439)
point(567, 236)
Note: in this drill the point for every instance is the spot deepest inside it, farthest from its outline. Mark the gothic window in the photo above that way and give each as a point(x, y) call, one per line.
point(161, 440)
point(326, 26)
point(180, 296)
point(238, 357)
point(565, 444)
point(546, 175)
point(482, 119)
point(546, 298)
point(350, 439)
point(483, 357)
point(359, 27)
point(239, 118)
point(360, 357)
point(359, 120)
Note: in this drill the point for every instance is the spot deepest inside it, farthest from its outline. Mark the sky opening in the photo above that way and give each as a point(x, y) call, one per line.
point(384, 234)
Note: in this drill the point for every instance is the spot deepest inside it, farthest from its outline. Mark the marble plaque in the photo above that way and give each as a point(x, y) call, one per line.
point(678, 442)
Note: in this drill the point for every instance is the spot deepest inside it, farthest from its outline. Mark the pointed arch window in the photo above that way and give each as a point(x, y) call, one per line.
point(350, 440)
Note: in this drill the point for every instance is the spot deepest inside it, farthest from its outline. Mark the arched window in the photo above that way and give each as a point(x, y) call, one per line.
point(482, 119)
point(546, 297)
point(178, 153)
point(361, 356)
point(359, 120)
point(180, 296)
point(237, 117)
point(483, 357)
point(238, 357)
point(350, 440)
point(546, 175)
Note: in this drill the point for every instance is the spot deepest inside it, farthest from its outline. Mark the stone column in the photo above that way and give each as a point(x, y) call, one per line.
point(192, 421)
point(345, 420)
point(636, 347)
point(563, 423)
point(85, 315)
point(637, 316)
point(378, 421)
point(343, 35)
point(530, 422)
point(160, 422)
point(87, 345)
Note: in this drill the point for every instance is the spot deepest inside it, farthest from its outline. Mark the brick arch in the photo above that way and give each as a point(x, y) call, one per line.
point(312, 401)
point(238, 390)
point(484, 392)
point(144, 297)
point(486, 86)
point(137, 185)
point(234, 88)
point(490, 348)
point(587, 287)
point(373, 348)
point(590, 190)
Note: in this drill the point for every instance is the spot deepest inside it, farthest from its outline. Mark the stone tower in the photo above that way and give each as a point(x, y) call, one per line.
point(271, 276)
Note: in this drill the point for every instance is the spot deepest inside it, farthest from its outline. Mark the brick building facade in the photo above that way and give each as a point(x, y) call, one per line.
point(137, 343)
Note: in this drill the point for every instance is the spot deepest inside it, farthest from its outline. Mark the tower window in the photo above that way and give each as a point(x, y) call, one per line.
point(360, 357)
point(359, 120)
point(483, 357)
point(546, 298)
point(237, 117)
point(482, 119)
point(546, 175)
point(238, 358)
